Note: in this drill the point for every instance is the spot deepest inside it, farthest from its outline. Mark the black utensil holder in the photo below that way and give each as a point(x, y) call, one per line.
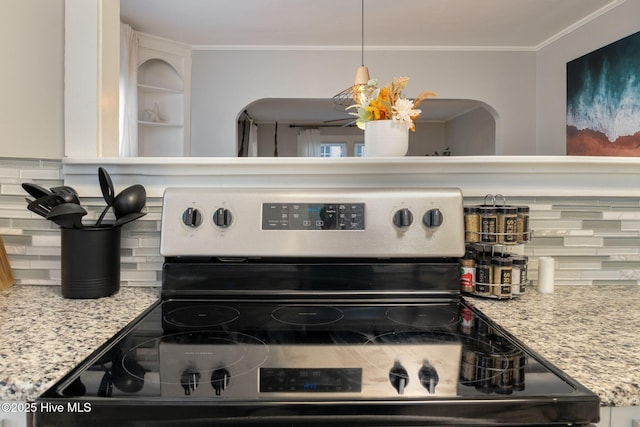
point(90, 261)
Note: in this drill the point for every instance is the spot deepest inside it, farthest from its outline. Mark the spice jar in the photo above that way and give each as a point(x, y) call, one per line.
point(519, 364)
point(469, 364)
point(471, 224)
point(523, 224)
point(488, 223)
point(504, 379)
point(484, 372)
point(466, 320)
point(524, 271)
point(501, 277)
point(484, 274)
point(468, 271)
point(518, 274)
point(507, 225)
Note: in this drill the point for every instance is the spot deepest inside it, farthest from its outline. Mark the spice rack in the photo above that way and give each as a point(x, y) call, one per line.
point(491, 267)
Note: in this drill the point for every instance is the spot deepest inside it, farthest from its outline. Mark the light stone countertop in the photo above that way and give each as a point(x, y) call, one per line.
point(590, 332)
point(43, 335)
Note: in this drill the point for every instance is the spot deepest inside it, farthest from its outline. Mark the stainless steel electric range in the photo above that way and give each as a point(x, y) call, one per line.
point(314, 307)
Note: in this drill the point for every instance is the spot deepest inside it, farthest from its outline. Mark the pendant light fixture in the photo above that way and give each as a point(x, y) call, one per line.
point(348, 96)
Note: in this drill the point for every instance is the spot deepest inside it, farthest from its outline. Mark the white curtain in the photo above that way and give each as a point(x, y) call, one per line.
point(252, 149)
point(309, 143)
point(128, 144)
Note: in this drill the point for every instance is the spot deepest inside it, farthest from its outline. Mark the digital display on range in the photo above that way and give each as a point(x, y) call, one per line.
point(304, 380)
point(313, 216)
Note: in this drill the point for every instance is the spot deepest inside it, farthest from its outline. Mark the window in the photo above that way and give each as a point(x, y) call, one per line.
point(343, 145)
point(333, 149)
point(313, 144)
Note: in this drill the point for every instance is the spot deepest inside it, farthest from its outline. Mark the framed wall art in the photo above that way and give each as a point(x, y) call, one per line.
point(603, 101)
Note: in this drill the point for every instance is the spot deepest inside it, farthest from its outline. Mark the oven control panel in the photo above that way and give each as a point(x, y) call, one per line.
point(249, 222)
point(303, 371)
point(313, 216)
point(310, 380)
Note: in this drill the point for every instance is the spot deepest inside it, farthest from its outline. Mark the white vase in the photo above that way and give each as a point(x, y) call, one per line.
point(385, 138)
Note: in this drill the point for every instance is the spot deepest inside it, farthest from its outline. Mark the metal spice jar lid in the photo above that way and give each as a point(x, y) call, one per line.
point(510, 210)
point(502, 261)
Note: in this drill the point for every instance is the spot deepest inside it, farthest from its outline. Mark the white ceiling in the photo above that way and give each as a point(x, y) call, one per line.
point(336, 24)
point(414, 23)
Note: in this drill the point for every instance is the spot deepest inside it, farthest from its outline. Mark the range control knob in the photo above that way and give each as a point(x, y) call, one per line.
point(220, 380)
point(190, 379)
point(428, 376)
point(222, 217)
point(192, 217)
point(399, 377)
point(433, 218)
point(403, 218)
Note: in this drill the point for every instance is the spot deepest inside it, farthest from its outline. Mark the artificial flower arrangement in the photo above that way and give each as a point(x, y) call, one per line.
point(387, 103)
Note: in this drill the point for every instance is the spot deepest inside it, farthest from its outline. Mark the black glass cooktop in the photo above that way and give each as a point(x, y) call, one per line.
point(314, 343)
point(226, 354)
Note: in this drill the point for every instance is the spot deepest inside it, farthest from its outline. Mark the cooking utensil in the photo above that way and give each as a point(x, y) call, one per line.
point(108, 192)
point(69, 194)
point(75, 389)
point(43, 205)
point(128, 218)
point(105, 389)
point(128, 376)
point(35, 190)
point(130, 200)
point(34, 207)
point(67, 215)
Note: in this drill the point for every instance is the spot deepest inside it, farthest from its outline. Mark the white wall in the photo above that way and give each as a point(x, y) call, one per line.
point(552, 61)
point(225, 82)
point(472, 134)
point(91, 78)
point(428, 139)
point(287, 140)
point(31, 78)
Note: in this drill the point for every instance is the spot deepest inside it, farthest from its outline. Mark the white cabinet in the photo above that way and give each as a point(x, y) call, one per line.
point(164, 89)
point(622, 416)
point(13, 414)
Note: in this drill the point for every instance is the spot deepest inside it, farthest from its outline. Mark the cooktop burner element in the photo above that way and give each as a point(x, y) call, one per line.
point(201, 316)
point(312, 307)
point(423, 317)
point(301, 315)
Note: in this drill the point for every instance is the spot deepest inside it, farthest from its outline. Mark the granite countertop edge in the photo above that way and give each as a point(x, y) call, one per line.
point(45, 335)
point(589, 332)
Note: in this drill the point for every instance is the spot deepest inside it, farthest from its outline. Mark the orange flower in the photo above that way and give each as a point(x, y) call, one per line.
point(387, 103)
point(378, 109)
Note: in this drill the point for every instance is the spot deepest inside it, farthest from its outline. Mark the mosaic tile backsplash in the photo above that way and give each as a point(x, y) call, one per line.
point(33, 243)
point(594, 240)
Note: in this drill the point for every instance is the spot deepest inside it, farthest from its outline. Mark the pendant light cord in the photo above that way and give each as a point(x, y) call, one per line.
point(362, 30)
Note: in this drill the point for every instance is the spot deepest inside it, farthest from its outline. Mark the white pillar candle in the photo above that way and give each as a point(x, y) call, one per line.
point(546, 275)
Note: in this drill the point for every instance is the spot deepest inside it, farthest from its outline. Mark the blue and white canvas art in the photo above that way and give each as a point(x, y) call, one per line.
point(603, 101)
